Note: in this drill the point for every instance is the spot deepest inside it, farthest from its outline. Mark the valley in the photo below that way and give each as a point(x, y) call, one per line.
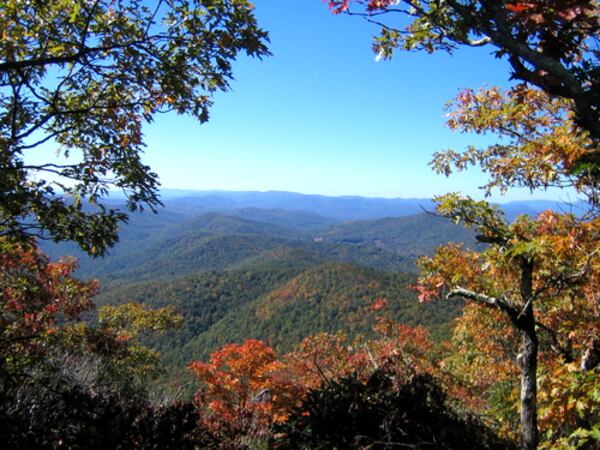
point(267, 266)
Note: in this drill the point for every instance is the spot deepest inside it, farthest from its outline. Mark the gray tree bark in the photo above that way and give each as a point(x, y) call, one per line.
point(525, 323)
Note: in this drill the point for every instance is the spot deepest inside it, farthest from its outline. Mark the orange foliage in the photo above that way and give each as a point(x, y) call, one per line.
point(565, 282)
point(36, 295)
point(320, 358)
point(244, 389)
point(541, 144)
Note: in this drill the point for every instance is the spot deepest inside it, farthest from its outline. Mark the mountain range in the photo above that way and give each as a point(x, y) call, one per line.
point(276, 266)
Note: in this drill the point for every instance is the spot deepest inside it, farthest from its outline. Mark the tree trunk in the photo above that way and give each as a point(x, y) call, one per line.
point(525, 322)
point(529, 428)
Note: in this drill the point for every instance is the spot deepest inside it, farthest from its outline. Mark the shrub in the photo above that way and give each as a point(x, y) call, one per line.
point(351, 414)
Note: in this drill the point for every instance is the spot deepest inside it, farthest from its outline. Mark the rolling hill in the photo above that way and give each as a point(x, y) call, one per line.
point(216, 241)
point(248, 224)
point(279, 303)
point(274, 266)
point(325, 298)
point(411, 236)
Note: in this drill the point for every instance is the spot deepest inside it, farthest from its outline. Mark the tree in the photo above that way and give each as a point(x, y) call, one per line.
point(550, 44)
point(480, 367)
point(243, 391)
point(538, 143)
point(541, 274)
point(320, 358)
point(84, 76)
point(534, 271)
point(484, 371)
point(66, 383)
point(115, 343)
point(35, 296)
point(41, 305)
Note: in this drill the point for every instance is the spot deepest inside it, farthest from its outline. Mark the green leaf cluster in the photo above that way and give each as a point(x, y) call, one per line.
point(84, 77)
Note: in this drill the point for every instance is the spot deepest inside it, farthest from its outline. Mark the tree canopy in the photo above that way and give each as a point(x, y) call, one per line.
point(82, 77)
point(540, 273)
point(550, 44)
point(537, 147)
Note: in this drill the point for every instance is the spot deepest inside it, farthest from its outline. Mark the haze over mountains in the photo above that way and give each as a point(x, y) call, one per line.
point(341, 208)
point(276, 266)
point(197, 217)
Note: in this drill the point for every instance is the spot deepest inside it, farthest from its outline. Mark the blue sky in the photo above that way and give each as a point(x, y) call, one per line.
point(321, 116)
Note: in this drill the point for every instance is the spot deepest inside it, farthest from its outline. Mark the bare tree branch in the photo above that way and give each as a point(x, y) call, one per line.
point(482, 299)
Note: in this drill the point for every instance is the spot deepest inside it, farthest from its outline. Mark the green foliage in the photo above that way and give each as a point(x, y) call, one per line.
point(487, 220)
point(410, 236)
point(570, 413)
point(326, 298)
point(86, 76)
point(133, 319)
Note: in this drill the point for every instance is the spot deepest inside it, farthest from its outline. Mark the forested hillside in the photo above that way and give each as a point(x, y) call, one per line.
point(327, 298)
point(233, 278)
point(163, 247)
point(413, 235)
point(214, 234)
point(279, 276)
point(278, 301)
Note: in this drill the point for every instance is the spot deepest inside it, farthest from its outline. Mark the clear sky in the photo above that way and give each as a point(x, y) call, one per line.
point(321, 116)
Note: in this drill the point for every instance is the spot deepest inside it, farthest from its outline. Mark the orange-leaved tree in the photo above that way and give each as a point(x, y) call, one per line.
point(539, 144)
point(480, 368)
point(541, 273)
point(243, 390)
point(320, 358)
point(36, 298)
point(41, 304)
